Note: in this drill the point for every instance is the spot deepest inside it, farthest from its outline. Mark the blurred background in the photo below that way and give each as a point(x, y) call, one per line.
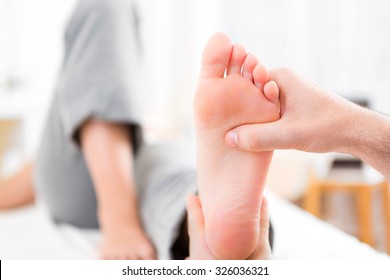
point(343, 45)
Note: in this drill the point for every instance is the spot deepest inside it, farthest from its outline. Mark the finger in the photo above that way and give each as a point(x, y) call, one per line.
point(282, 76)
point(196, 230)
point(264, 222)
point(263, 250)
point(260, 137)
point(195, 216)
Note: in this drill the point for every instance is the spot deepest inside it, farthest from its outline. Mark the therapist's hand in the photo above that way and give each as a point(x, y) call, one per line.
point(196, 230)
point(313, 119)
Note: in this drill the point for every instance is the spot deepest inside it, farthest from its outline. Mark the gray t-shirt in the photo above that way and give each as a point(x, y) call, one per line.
point(98, 79)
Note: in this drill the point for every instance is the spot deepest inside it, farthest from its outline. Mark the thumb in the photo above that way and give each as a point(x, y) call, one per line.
point(258, 137)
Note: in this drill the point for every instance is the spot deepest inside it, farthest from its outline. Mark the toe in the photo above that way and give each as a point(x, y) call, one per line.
point(260, 75)
point(216, 56)
point(249, 64)
point(236, 60)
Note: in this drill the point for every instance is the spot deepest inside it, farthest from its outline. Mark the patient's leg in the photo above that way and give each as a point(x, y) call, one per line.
point(231, 182)
point(17, 190)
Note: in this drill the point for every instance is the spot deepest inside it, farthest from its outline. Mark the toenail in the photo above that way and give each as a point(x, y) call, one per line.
point(232, 139)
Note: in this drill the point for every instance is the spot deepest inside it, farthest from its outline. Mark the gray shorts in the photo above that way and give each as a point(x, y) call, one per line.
point(164, 175)
point(99, 80)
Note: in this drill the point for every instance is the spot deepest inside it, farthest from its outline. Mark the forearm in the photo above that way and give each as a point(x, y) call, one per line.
point(108, 152)
point(370, 139)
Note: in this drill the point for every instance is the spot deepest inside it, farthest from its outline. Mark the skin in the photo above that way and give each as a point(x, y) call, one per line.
point(123, 235)
point(17, 190)
point(217, 112)
point(230, 93)
point(196, 229)
point(102, 143)
point(310, 116)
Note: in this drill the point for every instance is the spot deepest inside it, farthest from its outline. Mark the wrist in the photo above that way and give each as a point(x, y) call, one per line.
point(354, 130)
point(370, 139)
point(360, 132)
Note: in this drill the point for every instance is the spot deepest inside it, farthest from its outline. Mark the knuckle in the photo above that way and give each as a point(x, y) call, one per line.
point(252, 141)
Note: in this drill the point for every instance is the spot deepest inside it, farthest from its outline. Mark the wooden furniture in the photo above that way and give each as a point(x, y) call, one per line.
point(351, 180)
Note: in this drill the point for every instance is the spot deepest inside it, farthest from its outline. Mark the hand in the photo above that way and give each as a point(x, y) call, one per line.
point(127, 244)
point(198, 246)
point(313, 119)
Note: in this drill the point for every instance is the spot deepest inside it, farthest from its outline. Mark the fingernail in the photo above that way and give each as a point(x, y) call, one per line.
point(232, 139)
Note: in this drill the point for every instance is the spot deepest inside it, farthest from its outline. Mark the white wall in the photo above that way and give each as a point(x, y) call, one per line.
point(31, 37)
point(342, 44)
point(175, 32)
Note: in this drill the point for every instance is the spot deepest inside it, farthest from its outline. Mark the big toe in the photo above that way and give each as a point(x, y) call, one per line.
point(216, 56)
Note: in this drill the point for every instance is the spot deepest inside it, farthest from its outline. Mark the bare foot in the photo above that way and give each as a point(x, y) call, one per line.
point(196, 231)
point(127, 244)
point(231, 182)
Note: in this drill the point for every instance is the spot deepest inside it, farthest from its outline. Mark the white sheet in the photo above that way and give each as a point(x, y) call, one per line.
point(299, 235)
point(29, 234)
